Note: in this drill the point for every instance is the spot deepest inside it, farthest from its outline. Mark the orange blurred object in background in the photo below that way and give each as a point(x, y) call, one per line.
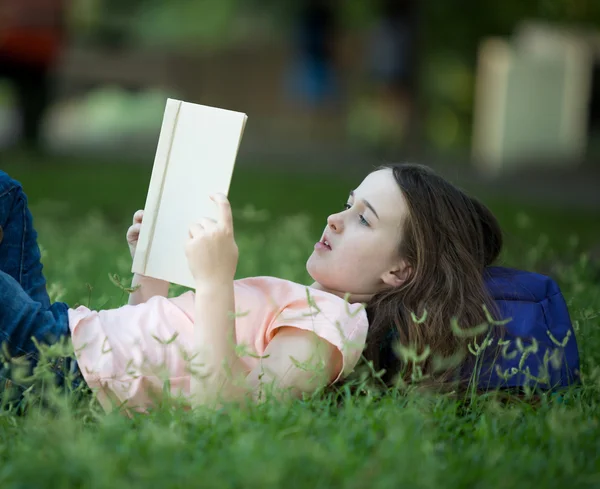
point(31, 31)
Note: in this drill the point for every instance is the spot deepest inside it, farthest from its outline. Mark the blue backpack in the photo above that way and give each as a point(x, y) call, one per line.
point(538, 347)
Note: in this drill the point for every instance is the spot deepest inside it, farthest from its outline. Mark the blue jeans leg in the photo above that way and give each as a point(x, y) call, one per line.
point(25, 310)
point(19, 250)
point(22, 319)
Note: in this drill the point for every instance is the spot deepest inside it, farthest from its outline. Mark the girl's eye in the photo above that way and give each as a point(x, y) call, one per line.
point(362, 220)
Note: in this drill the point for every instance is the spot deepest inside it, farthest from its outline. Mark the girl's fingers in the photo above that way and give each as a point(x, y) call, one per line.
point(195, 230)
point(133, 232)
point(201, 226)
point(207, 222)
point(138, 216)
point(224, 209)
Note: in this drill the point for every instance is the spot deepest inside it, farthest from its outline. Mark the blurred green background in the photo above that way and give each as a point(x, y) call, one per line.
point(244, 55)
point(331, 88)
point(447, 33)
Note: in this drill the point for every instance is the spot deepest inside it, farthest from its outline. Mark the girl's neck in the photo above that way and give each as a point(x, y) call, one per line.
point(352, 298)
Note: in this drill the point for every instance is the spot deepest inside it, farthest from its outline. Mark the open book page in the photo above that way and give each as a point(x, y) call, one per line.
point(195, 158)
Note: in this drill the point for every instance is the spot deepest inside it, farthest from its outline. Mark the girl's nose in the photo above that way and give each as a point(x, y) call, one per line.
point(335, 223)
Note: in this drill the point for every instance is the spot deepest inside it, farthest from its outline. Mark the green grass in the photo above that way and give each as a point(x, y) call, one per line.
point(401, 440)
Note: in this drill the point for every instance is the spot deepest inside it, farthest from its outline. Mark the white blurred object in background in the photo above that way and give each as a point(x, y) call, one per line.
point(532, 98)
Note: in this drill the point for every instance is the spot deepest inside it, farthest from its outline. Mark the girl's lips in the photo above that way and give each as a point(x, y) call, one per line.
point(322, 246)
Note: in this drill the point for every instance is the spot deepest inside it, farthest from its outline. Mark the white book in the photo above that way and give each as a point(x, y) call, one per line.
point(195, 158)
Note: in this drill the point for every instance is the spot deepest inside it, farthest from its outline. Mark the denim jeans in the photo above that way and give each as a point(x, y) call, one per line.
point(25, 309)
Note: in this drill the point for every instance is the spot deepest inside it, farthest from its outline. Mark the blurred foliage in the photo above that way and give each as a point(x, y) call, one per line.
point(206, 22)
point(446, 25)
point(449, 32)
point(150, 22)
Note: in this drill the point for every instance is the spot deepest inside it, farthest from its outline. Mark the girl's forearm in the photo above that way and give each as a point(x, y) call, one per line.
point(148, 287)
point(218, 375)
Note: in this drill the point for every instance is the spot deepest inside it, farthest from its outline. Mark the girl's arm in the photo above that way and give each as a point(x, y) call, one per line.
point(148, 287)
point(295, 361)
point(216, 365)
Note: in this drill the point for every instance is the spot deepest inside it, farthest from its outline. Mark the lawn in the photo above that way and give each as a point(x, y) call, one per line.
point(401, 440)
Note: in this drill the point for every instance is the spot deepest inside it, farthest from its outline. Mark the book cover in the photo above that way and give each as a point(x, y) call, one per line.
point(195, 158)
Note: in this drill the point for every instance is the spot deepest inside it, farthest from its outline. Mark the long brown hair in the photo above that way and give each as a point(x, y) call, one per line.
point(448, 239)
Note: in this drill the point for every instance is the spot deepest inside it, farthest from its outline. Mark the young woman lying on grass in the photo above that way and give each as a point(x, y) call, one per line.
point(407, 244)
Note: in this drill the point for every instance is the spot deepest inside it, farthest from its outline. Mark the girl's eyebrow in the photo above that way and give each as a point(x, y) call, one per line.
point(366, 202)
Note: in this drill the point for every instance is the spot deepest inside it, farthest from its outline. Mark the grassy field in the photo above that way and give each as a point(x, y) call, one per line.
point(402, 440)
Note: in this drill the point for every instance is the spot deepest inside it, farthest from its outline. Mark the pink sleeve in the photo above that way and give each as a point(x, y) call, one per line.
point(343, 327)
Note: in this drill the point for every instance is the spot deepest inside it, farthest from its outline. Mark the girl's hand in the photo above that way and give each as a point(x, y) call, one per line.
point(211, 249)
point(133, 233)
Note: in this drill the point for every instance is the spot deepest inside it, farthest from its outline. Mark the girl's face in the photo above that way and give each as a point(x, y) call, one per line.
point(358, 252)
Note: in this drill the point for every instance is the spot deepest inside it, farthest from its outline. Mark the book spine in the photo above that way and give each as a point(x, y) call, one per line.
point(155, 190)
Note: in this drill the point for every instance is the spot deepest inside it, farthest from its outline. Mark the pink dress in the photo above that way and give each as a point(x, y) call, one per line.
point(130, 354)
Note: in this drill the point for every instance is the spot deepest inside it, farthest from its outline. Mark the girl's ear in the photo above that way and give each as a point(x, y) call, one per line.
point(398, 275)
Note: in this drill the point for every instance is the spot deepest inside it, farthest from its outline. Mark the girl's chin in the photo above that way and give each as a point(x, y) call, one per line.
point(324, 273)
point(322, 281)
point(316, 273)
